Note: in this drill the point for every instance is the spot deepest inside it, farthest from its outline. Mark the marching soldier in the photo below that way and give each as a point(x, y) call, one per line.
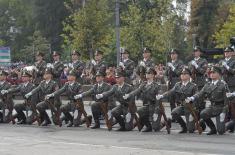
point(47, 86)
point(181, 91)
point(198, 67)
point(70, 88)
point(228, 72)
point(58, 67)
point(215, 93)
point(119, 90)
point(173, 71)
point(98, 88)
point(127, 65)
point(147, 61)
point(147, 92)
point(23, 88)
point(97, 64)
point(6, 103)
point(40, 65)
point(77, 65)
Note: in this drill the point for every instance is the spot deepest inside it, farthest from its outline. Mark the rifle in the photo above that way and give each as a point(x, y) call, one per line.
point(194, 114)
point(55, 112)
point(4, 100)
point(80, 106)
point(35, 113)
point(162, 109)
point(104, 108)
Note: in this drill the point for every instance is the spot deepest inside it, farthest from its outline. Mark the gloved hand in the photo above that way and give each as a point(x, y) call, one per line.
point(158, 97)
point(224, 63)
point(169, 64)
point(189, 99)
point(28, 95)
point(4, 92)
point(93, 62)
point(99, 96)
point(49, 96)
point(78, 96)
point(122, 65)
point(194, 64)
point(126, 96)
point(230, 94)
point(142, 64)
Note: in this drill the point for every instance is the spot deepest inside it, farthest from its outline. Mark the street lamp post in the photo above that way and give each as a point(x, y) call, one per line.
point(117, 24)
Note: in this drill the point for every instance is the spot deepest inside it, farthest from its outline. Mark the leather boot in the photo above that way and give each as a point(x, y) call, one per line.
point(148, 127)
point(182, 124)
point(97, 125)
point(211, 125)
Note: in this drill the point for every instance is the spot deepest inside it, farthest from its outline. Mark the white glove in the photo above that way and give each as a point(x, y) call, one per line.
point(225, 65)
point(78, 96)
point(122, 65)
point(93, 62)
point(142, 64)
point(99, 96)
point(230, 94)
point(126, 96)
point(158, 97)
point(171, 66)
point(28, 95)
point(49, 65)
point(4, 92)
point(189, 99)
point(49, 96)
point(194, 64)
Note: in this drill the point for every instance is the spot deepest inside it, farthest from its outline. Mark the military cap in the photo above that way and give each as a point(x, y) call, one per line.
point(197, 48)
point(100, 73)
point(76, 52)
point(150, 70)
point(186, 71)
point(147, 50)
point(228, 49)
point(174, 51)
point(40, 54)
point(72, 73)
point(125, 51)
point(48, 71)
point(25, 73)
point(99, 52)
point(56, 53)
point(119, 73)
point(3, 73)
point(216, 69)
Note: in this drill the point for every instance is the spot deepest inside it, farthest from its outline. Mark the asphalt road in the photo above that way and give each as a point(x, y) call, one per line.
point(53, 140)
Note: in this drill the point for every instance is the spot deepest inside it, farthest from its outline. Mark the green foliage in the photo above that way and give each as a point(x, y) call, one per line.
point(38, 43)
point(228, 30)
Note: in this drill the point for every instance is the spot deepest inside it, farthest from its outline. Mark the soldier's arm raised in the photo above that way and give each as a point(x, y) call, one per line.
point(110, 92)
point(88, 92)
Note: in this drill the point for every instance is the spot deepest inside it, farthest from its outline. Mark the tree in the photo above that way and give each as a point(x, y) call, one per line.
point(89, 28)
point(227, 31)
point(37, 43)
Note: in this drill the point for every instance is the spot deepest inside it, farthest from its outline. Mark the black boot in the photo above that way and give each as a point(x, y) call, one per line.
point(211, 125)
point(148, 127)
point(97, 124)
point(46, 118)
point(182, 124)
point(120, 120)
point(70, 124)
point(202, 124)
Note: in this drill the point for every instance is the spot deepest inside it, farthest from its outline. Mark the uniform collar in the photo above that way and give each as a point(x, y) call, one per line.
point(227, 59)
point(196, 59)
point(185, 83)
point(215, 82)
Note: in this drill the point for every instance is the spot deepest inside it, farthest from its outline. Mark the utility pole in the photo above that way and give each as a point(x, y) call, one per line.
point(117, 24)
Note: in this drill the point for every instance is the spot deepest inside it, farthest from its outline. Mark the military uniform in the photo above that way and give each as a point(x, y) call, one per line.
point(122, 108)
point(173, 76)
point(95, 107)
point(23, 89)
point(147, 92)
point(57, 70)
point(78, 66)
point(215, 93)
point(45, 88)
point(70, 91)
point(38, 77)
point(8, 101)
point(181, 92)
point(228, 72)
